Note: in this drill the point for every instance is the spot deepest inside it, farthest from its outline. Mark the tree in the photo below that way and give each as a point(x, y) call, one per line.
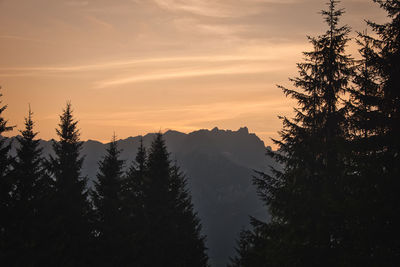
point(171, 226)
point(133, 208)
point(307, 199)
point(29, 196)
point(70, 232)
point(108, 208)
point(375, 121)
point(5, 184)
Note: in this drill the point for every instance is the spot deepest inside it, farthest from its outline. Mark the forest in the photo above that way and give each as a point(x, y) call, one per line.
point(334, 202)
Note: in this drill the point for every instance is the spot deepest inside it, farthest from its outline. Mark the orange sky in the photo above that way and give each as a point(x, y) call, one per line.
point(139, 66)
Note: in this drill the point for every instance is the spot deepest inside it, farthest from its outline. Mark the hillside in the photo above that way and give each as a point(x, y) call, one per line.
point(219, 165)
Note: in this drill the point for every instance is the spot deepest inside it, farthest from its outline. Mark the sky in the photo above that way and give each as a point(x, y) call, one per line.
point(138, 66)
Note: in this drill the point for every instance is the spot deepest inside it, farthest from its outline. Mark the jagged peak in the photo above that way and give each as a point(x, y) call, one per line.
point(244, 130)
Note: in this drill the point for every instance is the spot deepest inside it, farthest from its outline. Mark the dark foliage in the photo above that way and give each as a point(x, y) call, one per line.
point(307, 200)
point(133, 209)
point(29, 201)
point(375, 118)
point(107, 202)
point(5, 186)
point(170, 226)
point(70, 231)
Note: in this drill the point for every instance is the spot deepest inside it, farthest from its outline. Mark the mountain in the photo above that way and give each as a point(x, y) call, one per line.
point(219, 166)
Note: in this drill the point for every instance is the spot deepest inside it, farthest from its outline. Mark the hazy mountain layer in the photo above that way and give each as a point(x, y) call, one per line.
point(219, 165)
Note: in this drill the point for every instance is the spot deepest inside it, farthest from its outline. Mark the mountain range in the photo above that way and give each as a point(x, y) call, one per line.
point(218, 164)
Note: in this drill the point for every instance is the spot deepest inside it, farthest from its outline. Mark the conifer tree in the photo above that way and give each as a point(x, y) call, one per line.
point(71, 230)
point(133, 184)
point(171, 226)
point(376, 130)
point(108, 208)
point(5, 184)
point(307, 199)
point(133, 208)
point(29, 197)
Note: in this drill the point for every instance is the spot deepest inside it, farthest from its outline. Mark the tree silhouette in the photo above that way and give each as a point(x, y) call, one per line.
point(171, 226)
point(30, 194)
point(133, 209)
point(70, 223)
point(5, 185)
point(376, 129)
point(307, 199)
point(108, 208)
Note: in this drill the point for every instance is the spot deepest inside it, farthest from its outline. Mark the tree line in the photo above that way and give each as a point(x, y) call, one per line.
point(336, 200)
point(49, 216)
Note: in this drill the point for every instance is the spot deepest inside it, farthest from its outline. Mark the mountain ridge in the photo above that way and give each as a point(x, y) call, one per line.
point(218, 165)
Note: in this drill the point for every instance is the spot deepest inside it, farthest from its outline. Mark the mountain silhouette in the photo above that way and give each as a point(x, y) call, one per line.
point(219, 167)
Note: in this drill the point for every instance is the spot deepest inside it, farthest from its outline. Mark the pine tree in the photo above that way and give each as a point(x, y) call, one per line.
point(133, 209)
point(188, 226)
point(108, 208)
point(5, 184)
point(307, 200)
point(29, 196)
point(71, 230)
point(133, 184)
point(376, 130)
point(171, 226)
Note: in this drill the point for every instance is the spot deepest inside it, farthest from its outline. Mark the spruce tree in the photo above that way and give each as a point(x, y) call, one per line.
point(376, 130)
point(70, 231)
point(307, 199)
point(171, 226)
point(133, 208)
point(29, 197)
point(5, 184)
point(109, 221)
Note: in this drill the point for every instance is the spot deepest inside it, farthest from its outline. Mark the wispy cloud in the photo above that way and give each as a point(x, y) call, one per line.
point(182, 73)
point(105, 25)
point(212, 8)
point(77, 3)
point(110, 65)
point(20, 38)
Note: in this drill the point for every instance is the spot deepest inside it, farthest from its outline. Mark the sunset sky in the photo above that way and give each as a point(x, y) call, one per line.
point(139, 66)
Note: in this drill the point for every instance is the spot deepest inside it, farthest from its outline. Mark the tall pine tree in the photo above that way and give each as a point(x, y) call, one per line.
point(70, 225)
point(172, 228)
point(133, 208)
point(109, 221)
point(5, 184)
point(29, 197)
point(376, 130)
point(307, 199)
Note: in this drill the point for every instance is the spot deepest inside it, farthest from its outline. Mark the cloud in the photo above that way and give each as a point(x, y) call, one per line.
point(240, 69)
point(43, 70)
point(20, 38)
point(213, 8)
point(103, 24)
point(77, 3)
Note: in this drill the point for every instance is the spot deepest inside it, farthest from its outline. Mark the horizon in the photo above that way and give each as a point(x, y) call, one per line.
point(133, 67)
point(105, 142)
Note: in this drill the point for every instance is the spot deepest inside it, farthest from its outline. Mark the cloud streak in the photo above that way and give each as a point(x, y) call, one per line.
point(181, 74)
